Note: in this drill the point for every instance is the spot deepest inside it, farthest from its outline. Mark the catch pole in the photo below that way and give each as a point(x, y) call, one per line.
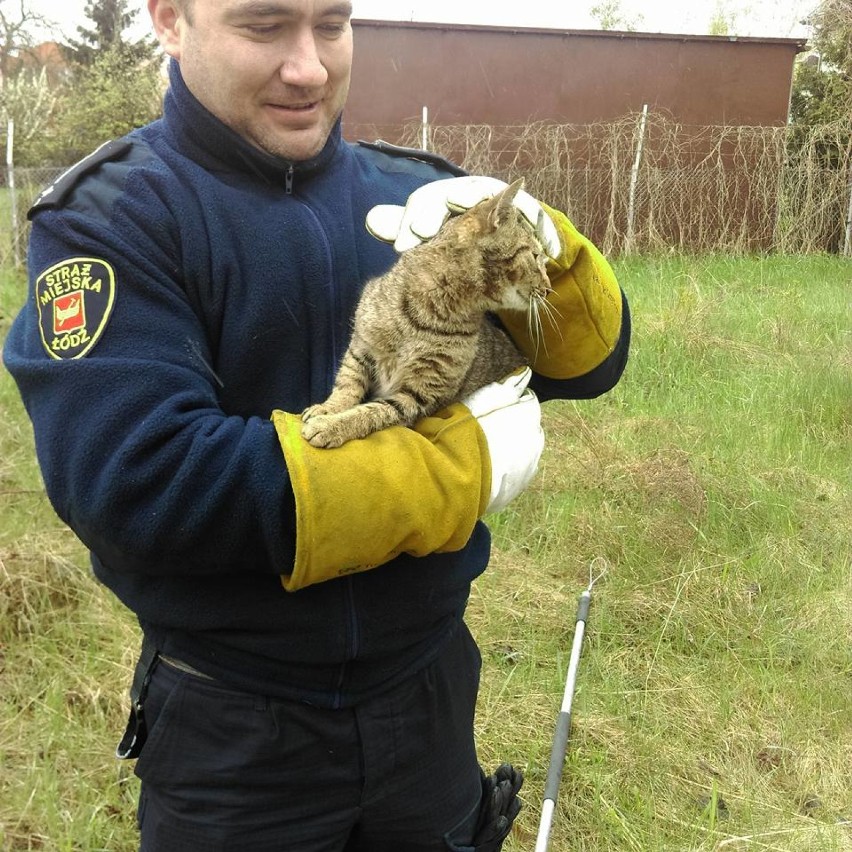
point(563, 722)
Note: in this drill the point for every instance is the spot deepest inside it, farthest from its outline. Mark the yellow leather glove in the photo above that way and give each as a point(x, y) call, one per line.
point(584, 325)
point(415, 491)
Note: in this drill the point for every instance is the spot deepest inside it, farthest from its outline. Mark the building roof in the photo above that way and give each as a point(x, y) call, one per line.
point(799, 43)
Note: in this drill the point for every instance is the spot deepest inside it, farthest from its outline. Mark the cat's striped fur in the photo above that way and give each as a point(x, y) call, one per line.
point(422, 335)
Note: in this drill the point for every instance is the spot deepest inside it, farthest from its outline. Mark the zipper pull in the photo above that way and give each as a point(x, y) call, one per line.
point(288, 180)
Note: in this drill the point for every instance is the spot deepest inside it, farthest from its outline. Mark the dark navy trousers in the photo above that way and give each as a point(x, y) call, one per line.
point(226, 770)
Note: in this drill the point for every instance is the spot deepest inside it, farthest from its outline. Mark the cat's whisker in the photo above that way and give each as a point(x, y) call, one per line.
point(551, 312)
point(534, 324)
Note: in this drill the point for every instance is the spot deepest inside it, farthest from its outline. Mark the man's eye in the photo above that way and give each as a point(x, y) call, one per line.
point(261, 29)
point(333, 30)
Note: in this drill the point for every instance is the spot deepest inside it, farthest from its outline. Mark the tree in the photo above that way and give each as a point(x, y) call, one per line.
point(26, 98)
point(110, 20)
point(610, 16)
point(723, 21)
point(106, 100)
point(28, 102)
point(821, 108)
point(822, 84)
point(114, 86)
point(16, 28)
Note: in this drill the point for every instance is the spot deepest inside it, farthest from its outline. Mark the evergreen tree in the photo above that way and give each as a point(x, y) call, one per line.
point(110, 19)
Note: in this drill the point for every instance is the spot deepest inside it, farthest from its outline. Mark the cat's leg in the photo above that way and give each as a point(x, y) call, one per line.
point(334, 430)
point(351, 385)
point(415, 397)
point(420, 391)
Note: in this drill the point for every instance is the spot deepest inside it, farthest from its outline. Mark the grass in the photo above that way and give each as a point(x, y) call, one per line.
point(713, 706)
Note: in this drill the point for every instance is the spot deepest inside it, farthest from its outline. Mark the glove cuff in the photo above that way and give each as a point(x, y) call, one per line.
point(415, 491)
point(583, 327)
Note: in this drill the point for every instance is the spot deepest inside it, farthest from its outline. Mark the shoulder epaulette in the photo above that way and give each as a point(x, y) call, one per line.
point(414, 154)
point(58, 191)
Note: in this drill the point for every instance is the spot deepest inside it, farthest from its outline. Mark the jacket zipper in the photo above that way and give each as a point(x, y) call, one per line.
point(288, 180)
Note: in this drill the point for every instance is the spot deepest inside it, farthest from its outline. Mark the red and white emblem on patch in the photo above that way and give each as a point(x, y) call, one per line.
point(69, 313)
point(75, 298)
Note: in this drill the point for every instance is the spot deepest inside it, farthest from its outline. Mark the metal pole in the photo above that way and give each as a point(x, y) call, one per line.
point(634, 180)
point(424, 132)
point(563, 722)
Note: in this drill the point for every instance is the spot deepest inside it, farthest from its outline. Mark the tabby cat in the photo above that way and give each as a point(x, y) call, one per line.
point(421, 337)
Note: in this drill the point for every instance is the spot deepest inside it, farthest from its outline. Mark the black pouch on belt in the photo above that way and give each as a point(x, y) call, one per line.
point(137, 732)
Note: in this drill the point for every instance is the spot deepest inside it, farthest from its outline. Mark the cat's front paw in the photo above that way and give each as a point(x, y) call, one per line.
point(321, 430)
point(314, 411)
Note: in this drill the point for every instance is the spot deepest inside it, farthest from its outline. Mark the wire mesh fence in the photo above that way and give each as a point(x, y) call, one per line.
point(18, 189)
point(640, 184)
point(649, 184)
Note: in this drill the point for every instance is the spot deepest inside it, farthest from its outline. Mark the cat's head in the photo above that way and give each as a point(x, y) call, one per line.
point(513, 260)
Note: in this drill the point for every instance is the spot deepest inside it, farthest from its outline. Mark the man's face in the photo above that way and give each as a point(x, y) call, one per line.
point(275, 71)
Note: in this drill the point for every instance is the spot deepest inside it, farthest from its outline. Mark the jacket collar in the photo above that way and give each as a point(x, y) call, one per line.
point(214, 145)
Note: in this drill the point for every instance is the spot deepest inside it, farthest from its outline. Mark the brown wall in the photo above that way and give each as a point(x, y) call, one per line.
point(501, 76)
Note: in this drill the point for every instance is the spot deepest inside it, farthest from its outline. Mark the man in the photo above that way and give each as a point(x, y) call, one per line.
point(307, 681)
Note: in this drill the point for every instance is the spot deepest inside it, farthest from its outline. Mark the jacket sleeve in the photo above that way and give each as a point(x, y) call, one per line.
point(140, 460)
point(580, 347)
point(398, 491)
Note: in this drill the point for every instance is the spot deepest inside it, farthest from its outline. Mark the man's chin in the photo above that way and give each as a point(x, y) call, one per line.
point(294, 145)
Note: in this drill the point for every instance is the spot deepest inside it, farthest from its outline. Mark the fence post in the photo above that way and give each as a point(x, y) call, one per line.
point(10, 181)
point(634, 180)
point(424, 131)
point(847, 243)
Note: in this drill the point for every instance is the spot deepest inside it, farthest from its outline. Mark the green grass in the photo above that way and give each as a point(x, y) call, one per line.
point(713, 707)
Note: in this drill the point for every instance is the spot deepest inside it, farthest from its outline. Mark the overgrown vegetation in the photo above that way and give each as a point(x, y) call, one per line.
point(66, 102)
point(822, 85)
point(696, 189)
point(713, 708)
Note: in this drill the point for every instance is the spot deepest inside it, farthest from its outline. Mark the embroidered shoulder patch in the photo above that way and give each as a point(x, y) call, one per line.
point(75, 298)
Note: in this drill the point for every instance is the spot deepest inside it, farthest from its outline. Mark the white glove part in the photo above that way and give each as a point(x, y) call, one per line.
point(509, 414)
point(431, 205)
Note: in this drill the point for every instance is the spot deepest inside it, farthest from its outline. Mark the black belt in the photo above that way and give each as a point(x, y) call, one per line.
point(181, 666)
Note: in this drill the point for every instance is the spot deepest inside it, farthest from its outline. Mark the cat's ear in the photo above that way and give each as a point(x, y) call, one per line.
point(502, 204)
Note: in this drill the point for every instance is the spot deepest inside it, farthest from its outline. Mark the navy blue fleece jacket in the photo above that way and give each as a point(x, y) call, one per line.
point(226, 280)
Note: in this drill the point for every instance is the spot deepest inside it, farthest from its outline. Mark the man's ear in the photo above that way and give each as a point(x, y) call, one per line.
point(168, 21)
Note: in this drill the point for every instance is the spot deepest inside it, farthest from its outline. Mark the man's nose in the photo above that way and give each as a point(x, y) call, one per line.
point(302, 66)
